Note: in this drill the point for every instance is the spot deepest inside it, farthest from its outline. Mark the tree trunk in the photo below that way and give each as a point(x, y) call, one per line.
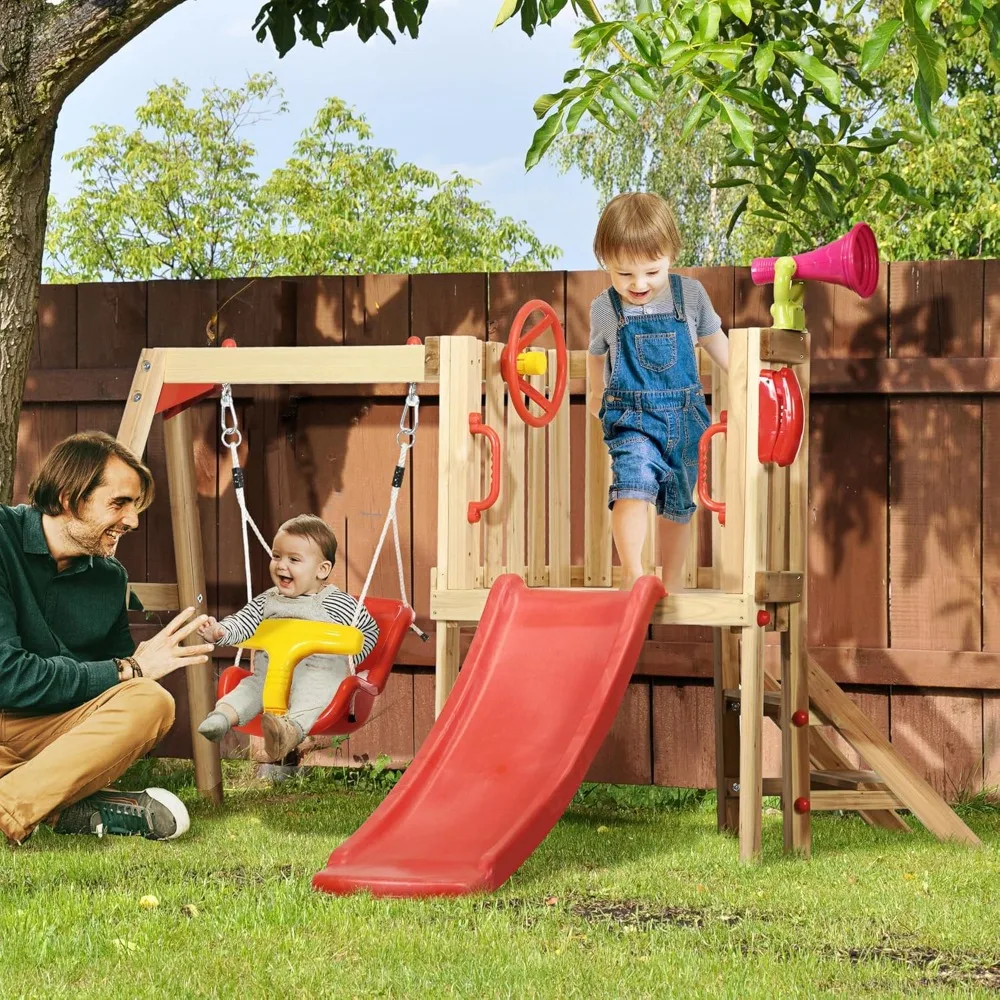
point(26, 139)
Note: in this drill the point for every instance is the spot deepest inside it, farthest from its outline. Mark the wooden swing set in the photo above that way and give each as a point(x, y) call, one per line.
point(755, 582)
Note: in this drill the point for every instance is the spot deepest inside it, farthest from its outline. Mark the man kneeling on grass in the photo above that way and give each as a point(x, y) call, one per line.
point(78, 701)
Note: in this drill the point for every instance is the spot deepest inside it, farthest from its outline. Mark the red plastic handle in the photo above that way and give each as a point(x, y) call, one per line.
point(517, 385)
point(476, 507)
point(704, 450)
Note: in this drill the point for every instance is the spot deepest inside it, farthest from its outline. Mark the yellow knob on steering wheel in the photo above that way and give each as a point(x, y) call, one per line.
point(289, 640)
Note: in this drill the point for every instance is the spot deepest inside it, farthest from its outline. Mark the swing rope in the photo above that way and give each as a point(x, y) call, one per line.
point(232, 437)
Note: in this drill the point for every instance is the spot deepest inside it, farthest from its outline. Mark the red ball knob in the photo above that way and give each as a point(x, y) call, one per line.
point(800, 718)
point(801, 805)
point(229, 342)
point(763, 618)
point(413, 340)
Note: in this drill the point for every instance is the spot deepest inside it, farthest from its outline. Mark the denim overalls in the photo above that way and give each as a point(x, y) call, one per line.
point(654, 411)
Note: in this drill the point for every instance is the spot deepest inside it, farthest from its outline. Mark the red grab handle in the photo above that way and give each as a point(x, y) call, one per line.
point(704, 450)
point(476, 507)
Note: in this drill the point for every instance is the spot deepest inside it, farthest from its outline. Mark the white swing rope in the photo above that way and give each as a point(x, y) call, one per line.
point(232, 438)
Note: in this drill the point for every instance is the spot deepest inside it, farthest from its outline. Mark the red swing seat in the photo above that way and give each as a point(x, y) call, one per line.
point(394, 618)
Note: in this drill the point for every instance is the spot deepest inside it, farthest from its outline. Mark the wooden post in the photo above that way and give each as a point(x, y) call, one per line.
point(744, 397)
point(794, 644)
point(189, 556)
point(459, 481)
point(596, 517)
point(559, 489)
point(726, 647)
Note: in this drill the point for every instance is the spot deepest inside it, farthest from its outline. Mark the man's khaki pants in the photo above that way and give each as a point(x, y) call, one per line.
point(48, 762)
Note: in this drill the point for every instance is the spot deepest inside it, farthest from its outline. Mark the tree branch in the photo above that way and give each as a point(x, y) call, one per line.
point(77, 36)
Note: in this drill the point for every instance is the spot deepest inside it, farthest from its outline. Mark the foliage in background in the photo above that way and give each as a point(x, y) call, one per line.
point(179, 197)
point(944, 199)
point(796, 87)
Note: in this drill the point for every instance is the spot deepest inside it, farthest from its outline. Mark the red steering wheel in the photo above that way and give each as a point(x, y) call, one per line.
point(517, 385)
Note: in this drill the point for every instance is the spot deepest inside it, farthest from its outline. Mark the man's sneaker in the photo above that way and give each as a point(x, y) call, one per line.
point(154, 813)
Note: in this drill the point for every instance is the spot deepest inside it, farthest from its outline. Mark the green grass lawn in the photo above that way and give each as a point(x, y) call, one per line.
point(633, 894)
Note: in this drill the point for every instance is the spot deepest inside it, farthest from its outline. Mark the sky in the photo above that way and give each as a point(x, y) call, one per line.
point(458, 97)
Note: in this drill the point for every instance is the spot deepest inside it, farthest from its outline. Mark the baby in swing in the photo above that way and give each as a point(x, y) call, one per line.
point(302, 557)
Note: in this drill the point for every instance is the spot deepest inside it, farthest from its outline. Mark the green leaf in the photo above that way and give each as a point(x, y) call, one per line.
point(741, 130)
point(737, 212)
point(640, 87)
point(544, 103)
point(922, 99)
point(731, 182)
point(931, 63)
point(648, 46)
point(763, 60)
point(874, 50)
point(782, 244)
point(542, 139)
point(620, 101)
point(708, 22)
point(741, 9)
point(825, 201)
point(644, 7)
point(817, 72)
point(577, 109)
point(693, 117)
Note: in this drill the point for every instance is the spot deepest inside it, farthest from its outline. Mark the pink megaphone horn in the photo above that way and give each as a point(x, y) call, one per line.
point(851, 261)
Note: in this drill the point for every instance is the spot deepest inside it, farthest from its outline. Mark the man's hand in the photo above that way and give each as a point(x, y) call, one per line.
point(164, 653)
point(211, 631)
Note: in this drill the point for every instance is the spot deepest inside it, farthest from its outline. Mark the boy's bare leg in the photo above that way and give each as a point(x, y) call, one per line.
point(628, 526)
point(673, 548)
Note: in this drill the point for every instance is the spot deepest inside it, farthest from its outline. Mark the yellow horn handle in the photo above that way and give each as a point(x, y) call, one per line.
point(289, 640)
point(532, 363)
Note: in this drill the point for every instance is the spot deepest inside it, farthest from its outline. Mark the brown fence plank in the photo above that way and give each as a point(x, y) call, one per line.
point(848, 476)
point(625, 756)
point(319, 312)
point(683, 735)
point(377, 309)
point(751, 303)
point(936, 309)
point(941, 734)
point(43, 426)
point(935, 524)
point(444, 305)
point(843, 325)
point(111, 329)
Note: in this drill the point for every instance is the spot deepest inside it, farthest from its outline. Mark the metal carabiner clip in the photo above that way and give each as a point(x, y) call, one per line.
point(231, 434)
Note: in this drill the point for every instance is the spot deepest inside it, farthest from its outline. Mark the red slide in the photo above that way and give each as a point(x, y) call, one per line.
point(534, 700)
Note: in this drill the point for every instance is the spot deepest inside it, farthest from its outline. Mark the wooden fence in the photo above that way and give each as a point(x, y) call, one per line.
point(904, 484)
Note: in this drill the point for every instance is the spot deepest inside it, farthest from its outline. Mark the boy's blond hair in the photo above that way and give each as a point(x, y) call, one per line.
point(636, 226)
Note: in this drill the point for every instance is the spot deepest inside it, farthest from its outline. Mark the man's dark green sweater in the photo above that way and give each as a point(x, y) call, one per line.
point(58, 631)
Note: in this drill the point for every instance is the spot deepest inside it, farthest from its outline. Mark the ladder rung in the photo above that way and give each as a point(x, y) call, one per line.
point(821, 800)
point(859, 799)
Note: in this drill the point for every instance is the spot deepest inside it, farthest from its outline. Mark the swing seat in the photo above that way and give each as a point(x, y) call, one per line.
point(394, 619)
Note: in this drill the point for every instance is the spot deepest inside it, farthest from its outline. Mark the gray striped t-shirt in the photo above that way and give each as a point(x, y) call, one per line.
point(702, 319)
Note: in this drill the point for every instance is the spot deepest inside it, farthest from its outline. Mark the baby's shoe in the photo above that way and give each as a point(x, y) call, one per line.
point(281, 735)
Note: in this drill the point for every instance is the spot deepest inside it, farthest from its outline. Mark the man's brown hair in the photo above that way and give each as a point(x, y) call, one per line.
point(315, 528)
point(75, 468)
point(636, 226)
